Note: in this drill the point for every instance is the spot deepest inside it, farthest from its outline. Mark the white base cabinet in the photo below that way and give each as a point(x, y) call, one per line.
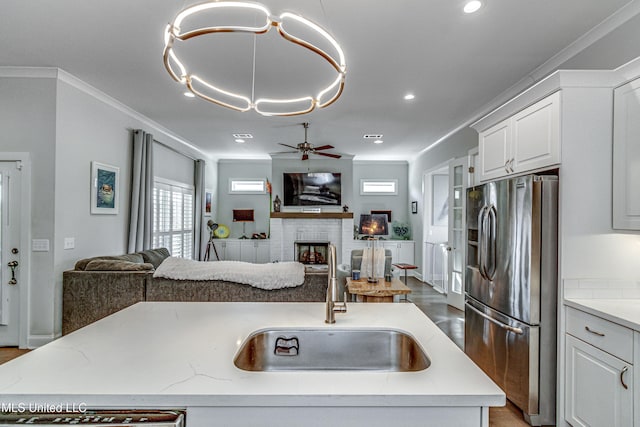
point(247, 250)
point(599, 383)
point(527, 141)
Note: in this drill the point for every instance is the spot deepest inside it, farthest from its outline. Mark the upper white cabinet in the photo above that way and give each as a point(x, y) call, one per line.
point(527, 141)
point(626, 156)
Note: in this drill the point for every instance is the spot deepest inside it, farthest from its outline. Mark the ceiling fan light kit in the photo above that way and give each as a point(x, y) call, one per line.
point(239, 102)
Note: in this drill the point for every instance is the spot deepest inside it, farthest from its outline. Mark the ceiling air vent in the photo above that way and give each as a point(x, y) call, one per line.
point(242, 135)
point(372, 136)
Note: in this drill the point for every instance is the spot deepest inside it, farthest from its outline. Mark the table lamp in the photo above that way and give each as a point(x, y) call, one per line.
point(373, 225)
point(243, 216)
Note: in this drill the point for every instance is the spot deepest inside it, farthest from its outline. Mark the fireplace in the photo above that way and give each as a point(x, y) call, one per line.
point(312, 253)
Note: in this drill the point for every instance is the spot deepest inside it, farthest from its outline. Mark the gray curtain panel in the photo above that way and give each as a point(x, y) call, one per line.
point(141, 216)
point(198, 217)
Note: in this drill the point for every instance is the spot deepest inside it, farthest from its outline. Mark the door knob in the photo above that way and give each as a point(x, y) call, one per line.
point(12, 265)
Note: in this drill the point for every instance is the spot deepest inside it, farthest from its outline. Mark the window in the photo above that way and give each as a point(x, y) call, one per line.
point(370, 187)
point(173, 217)
point(247, 186)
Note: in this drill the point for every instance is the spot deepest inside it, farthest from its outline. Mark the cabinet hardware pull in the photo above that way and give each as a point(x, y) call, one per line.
point(600, 334)
point(625, 369)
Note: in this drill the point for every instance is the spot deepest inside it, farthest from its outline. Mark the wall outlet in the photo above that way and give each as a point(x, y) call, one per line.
point(69, 243)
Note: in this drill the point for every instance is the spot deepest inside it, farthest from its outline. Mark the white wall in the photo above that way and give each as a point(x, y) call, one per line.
point(28, 120)
point(226, 203)
point(169, 164)
point(398, 204)
point(457, 145)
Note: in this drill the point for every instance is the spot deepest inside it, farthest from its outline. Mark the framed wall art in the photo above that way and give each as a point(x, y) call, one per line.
point(207, 202)
point(105, 189)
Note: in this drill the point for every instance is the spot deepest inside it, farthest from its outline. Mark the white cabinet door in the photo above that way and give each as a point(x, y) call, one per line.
point(229, 250)
point(401, 251)
point(255, 251)
point(527, 141)
point(536, 135)
point(495, 151)
point(263, 251)
point(626, 156)
point(595, 393)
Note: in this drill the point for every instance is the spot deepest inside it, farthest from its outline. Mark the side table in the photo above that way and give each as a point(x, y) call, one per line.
point(406, 268)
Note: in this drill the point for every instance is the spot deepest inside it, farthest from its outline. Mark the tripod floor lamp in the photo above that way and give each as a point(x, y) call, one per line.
point(243, 216)
point(373, 225)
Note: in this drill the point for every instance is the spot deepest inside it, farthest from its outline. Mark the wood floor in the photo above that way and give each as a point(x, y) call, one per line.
point(8, 353)
point(434, 305)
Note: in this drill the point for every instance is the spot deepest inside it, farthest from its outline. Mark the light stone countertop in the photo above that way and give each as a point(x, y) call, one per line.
point(625, 312)
point(181, 354)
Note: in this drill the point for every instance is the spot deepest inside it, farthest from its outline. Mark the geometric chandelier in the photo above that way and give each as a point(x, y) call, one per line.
point(236, 101)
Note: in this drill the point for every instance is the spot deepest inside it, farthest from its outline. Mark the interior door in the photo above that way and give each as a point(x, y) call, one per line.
point(457, 224)
point(10, 202)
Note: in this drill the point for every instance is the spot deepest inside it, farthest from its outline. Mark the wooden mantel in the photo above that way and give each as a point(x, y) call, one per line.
point(311, 215)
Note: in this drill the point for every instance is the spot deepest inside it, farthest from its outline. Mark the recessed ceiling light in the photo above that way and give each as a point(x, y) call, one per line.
point(409, 97)
point(378, 141)
point(189, 95)
point(240, 140)
point(472, 6)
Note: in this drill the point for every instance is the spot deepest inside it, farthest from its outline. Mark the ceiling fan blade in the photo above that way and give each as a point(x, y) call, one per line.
point(290, 146)
point(335, 156)
point(324, 147)
point(305, 156)
point(284, 152)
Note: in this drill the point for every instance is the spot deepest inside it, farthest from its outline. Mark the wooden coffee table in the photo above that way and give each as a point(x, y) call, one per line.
point(376, 292)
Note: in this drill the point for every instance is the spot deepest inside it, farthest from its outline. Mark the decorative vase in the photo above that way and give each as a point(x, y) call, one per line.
point(276, 204)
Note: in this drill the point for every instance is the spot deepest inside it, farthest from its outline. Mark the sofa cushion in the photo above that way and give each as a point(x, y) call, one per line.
point(116, 265)
point(155, 256)
point(135, 258)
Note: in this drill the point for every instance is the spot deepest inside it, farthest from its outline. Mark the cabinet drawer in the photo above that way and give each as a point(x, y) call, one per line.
point(608, 336)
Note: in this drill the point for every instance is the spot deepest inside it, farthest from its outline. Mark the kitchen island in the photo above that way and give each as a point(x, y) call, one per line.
point(180, 355)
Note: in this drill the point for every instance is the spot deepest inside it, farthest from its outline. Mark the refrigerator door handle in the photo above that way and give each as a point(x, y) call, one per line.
point(481, 241)
point(515, 330)
point(491, 243)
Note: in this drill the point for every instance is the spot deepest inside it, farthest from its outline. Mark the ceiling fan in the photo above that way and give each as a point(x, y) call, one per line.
point(305, 148)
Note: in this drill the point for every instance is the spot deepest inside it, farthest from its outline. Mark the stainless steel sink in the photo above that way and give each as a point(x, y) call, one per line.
point(331, 349)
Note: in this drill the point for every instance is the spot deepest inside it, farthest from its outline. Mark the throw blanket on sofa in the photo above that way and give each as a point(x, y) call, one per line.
point(264, 276)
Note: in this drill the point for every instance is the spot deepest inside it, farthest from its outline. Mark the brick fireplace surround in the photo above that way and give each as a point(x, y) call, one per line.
point(289, 227)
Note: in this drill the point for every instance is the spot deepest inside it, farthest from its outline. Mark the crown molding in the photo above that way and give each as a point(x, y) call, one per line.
point(63, 76)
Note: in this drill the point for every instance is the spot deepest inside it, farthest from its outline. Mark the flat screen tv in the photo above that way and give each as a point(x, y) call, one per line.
point(312, 189)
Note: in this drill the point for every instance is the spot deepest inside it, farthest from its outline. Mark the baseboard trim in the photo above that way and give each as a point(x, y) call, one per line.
point(35, 341)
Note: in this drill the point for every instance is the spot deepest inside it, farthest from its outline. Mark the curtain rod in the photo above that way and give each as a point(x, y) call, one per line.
point(174, 150)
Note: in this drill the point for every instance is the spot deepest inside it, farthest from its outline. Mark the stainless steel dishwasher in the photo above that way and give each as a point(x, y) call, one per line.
point(101, 418)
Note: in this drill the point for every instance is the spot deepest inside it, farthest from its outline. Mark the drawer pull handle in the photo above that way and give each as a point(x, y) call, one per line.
point(625, 369)
point(600, 334)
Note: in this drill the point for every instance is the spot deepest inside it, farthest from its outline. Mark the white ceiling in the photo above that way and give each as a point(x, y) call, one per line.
point(455, 64)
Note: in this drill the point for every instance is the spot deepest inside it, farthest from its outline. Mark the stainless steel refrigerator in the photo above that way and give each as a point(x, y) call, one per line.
point(511, 289)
